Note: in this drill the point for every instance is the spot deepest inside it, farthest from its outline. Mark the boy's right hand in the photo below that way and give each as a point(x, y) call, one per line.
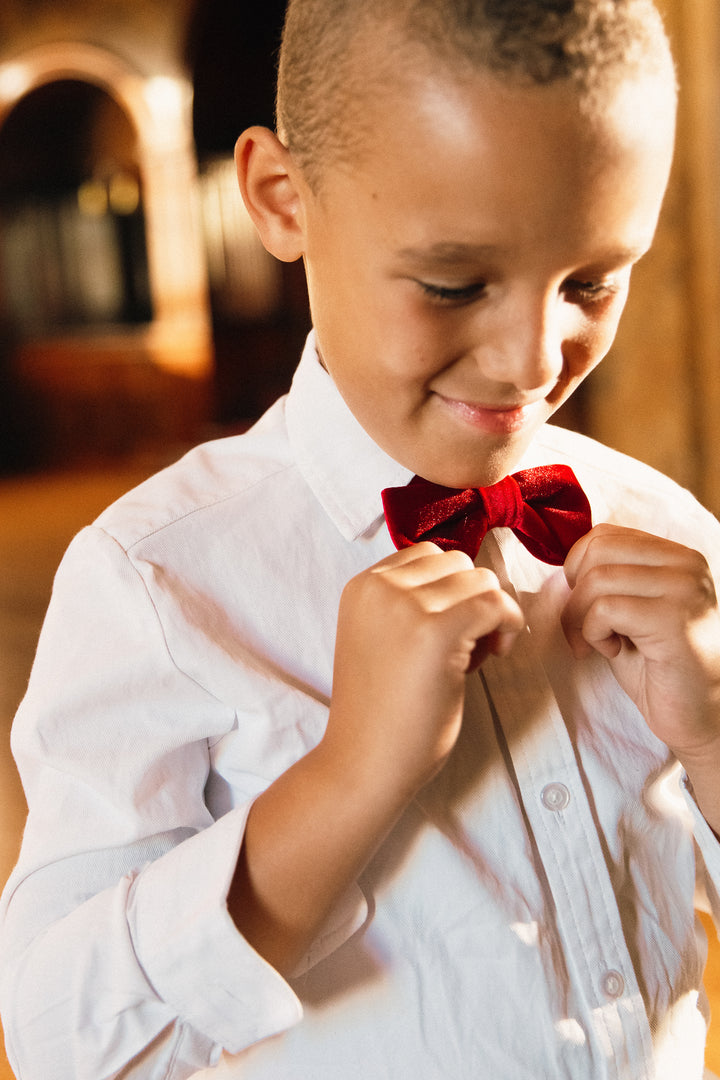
point(410, 629)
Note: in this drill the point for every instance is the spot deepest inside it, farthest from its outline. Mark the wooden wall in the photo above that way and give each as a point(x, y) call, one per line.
point(657, 395)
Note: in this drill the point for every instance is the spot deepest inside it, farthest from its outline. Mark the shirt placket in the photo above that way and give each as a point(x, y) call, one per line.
point(559, 815)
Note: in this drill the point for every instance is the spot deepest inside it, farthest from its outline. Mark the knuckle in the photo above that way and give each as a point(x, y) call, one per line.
point(705, 580)
point(602, 529)
point(485, 574)
point(460, 558)
point(599, 578)
point(704, 585)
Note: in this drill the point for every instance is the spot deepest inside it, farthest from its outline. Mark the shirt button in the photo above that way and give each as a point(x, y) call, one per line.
point(555, 797)
point(613, 984)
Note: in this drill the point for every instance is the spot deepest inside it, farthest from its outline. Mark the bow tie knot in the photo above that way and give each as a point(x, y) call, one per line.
point(545, 507)
point(503, 503)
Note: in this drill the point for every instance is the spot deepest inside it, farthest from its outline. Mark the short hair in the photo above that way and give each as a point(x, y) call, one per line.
point(336, 53)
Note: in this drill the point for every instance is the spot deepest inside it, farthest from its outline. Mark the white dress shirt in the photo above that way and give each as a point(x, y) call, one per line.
point(530, 917)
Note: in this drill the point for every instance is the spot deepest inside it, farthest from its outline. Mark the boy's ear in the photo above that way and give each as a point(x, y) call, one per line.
point(269, 186)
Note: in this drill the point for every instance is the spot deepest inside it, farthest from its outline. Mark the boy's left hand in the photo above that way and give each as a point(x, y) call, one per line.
point(649, 606)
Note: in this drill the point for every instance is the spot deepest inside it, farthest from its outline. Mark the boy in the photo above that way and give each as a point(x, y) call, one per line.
point(446, 839)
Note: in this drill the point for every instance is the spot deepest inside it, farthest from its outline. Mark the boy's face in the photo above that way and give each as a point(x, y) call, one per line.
point(472, 269)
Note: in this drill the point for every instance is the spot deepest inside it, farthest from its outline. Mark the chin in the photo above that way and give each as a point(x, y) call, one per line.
point(468, 477)
point(475, 472)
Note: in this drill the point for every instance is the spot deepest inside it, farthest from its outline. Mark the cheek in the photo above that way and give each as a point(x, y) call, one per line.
point(608, 326)
point(412, 348)
point(428, 340)
point(597, 339)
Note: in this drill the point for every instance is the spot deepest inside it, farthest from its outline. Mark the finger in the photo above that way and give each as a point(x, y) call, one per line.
point(442, 592)
point(586, 619)
point(657, 626)
point(615, 579)
point(607, 543)
point(471, 610)
point(685, 588)
point(466, 602)
point(497, 622)
point(497, 643)
point(641, 622)
point(434, 565)
point(576, 556)
point(409, 554)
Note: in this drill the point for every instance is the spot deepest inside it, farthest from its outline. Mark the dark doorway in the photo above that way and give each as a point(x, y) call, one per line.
point(232, 53)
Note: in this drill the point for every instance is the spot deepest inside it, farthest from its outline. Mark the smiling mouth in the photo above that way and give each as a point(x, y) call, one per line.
point(495, 419)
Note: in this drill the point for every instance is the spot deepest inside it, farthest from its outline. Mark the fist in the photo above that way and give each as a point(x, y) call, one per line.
point(410, 629)
point(649, 606)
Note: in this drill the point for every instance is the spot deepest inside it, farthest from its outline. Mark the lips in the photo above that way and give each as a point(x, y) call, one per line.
point(495, 419)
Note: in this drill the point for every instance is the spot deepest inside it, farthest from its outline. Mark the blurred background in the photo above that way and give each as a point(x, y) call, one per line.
point(139, 314)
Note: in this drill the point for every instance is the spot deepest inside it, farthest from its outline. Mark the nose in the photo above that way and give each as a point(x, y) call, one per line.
point(527, 349)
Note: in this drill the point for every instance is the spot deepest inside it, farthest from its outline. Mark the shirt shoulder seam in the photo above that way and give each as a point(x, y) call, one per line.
point(184, 516)
point(158, 618)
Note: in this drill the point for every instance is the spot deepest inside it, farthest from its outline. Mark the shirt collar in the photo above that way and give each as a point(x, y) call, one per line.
point(341, 463)
point(343, 466)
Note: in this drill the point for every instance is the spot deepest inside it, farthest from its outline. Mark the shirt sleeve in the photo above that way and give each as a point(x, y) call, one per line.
point(118, 953)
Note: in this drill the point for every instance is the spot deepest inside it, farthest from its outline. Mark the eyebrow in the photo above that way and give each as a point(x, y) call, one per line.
point(446, 253)
point(450, 253)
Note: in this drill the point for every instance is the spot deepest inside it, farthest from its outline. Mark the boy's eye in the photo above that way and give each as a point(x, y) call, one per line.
point(453, 295)
point(584, 292)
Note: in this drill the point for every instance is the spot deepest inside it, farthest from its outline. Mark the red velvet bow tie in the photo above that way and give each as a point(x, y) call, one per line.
point(545, 507)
